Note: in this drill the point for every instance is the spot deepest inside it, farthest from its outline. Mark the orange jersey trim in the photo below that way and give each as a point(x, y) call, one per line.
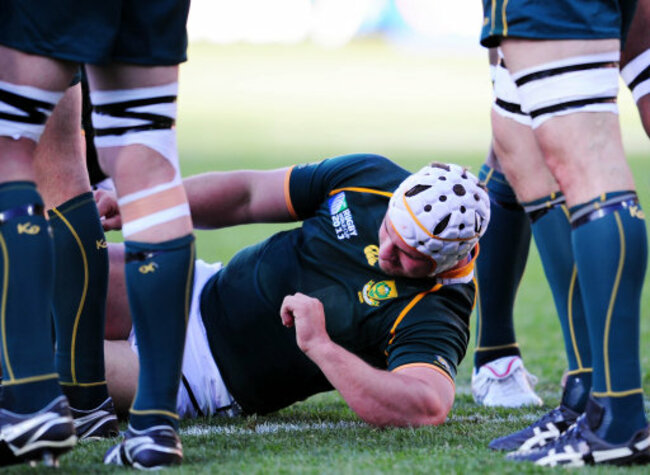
point(387, 194)
point(427, 365)
point(410, 305)
point(287, 194)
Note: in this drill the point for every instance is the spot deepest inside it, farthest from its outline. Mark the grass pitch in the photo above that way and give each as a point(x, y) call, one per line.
point(271, 106)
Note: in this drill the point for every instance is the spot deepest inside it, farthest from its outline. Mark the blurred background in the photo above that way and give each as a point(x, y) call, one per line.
point(271, 84)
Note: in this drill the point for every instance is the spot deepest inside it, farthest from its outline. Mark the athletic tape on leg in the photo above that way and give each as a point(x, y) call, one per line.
point(24, 110)
point(506, 97)
point(151, 207)
point(143, 116)
point(578, 84)
point(636, 75)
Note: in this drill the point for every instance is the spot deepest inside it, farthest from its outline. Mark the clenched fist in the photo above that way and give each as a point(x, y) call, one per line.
point(307, 315)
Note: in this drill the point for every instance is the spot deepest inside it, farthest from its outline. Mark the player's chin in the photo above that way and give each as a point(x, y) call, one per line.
point(390, 269)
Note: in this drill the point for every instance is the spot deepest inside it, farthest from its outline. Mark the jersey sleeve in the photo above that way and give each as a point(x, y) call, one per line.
point(434, 331)
point(311, 184)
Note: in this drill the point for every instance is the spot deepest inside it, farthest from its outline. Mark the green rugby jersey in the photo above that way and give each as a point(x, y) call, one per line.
point(388, 321)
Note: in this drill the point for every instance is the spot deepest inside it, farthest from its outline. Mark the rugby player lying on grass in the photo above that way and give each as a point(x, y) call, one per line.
point(371, 295)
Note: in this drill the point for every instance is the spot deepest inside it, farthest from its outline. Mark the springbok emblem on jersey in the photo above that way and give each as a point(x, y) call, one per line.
point(373, 293)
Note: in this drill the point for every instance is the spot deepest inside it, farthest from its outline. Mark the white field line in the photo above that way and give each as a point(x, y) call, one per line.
point(272, 428)
point(268, 428)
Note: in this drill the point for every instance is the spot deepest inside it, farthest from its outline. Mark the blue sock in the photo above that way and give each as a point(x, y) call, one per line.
point(610, 246)
point(26, 284)
point(499, 267)
point(159, 281)
point(79, 306)
point(552, 231)
point(576, 391)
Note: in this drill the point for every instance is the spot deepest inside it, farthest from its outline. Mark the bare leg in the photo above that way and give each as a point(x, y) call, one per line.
point(156, 225)
point(584, 152)
point(122, 369)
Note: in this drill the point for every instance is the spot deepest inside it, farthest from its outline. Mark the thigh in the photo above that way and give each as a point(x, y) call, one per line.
point(521, 159)
point(59, 159)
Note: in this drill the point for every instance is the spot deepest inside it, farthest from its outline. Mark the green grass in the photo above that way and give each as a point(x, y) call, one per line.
point(271, 106)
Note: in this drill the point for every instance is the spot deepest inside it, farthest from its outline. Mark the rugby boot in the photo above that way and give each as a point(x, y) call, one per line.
point(544, 430)
point(504, 382)
point(98, 423)
point(40, 436)
point(148, 449)
point(579, 446)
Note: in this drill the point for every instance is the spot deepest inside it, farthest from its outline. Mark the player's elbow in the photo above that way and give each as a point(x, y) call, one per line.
point(430, 411)
point(433, 412)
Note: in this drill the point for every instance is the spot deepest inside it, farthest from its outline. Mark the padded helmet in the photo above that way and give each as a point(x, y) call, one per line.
point(440, 211)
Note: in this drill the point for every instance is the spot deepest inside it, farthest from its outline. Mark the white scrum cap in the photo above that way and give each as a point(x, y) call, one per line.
point(440, 211)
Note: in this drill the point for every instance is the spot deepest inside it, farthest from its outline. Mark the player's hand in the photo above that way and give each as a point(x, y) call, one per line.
point(308, 316)
point(109, 211)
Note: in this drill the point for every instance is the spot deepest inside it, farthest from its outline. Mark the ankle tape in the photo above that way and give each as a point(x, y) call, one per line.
point(599, 209)
point(32, 209)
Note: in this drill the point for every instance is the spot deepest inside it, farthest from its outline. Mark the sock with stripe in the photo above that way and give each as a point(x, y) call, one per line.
point(26, 281)
point(159, 281)
point(79, 305)
point(500, 265)
point(552, 232)
point(610, 246)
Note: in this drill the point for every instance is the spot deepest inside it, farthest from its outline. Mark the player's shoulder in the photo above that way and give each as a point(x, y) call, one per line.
point(367, 162)
point(368, 170)
point(426, 298)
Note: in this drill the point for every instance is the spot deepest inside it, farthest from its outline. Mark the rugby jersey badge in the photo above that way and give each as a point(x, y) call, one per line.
point(372, 253)
point(373, 293)
point(342, 220)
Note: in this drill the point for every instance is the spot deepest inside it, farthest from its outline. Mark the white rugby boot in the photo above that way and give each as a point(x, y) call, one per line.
point(504, 382)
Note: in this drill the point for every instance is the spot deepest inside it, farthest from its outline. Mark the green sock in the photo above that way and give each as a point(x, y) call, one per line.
point(26, 280)
point(499, 267)
point(552, 232)
point(610, 246)
point(79, 306)
point(159, 281)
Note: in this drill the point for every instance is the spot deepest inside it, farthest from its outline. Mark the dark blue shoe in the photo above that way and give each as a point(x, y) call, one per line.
point(544, 430)
point(579, 446)
point(148, 449)
point(98, 423)
point(41, 435)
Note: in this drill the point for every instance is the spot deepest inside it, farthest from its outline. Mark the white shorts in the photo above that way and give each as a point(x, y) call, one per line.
point(202, 391)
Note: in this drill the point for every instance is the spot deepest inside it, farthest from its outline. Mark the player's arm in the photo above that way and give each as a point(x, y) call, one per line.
point(219, 199)
point(414, 396)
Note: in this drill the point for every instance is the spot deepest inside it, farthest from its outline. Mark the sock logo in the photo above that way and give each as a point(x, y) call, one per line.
point(636, 212)
point(148, 268)
point(101, 244)
point(28, 228)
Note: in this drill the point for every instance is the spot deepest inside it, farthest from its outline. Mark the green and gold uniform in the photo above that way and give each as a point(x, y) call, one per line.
point(143, 32)
point(390, 322)
point(555, 20)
